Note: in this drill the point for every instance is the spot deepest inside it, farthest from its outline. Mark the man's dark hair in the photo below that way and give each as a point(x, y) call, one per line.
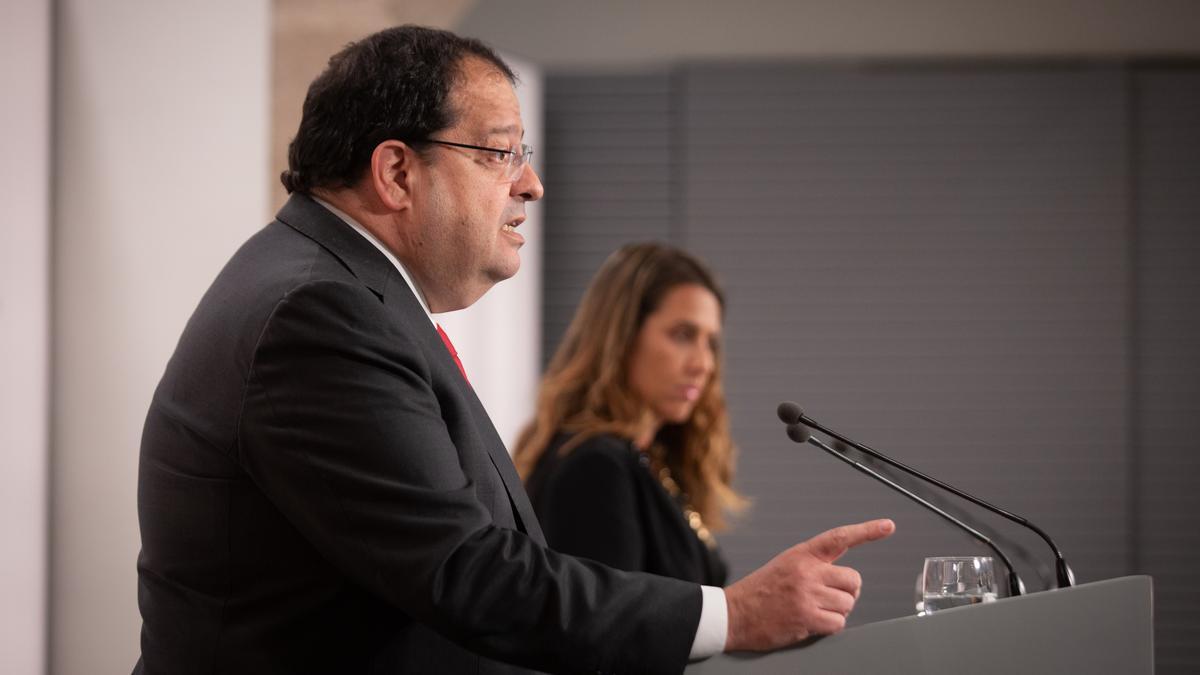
point(390, 85)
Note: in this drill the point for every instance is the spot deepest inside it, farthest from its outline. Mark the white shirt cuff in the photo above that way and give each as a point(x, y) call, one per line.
point(714, 624)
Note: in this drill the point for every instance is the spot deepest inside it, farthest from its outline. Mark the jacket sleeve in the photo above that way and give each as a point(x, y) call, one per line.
point(341, 429)
point(589, 506)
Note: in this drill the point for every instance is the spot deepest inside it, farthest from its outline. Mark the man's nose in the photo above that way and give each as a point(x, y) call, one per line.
point(528, 186)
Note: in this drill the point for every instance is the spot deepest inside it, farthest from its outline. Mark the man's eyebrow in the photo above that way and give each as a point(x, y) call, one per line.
point(508, 129)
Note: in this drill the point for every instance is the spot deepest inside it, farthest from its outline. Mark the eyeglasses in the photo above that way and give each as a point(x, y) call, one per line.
point(511, 162)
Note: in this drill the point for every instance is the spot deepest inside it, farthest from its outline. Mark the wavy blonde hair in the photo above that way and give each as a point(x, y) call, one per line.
point(585, 390)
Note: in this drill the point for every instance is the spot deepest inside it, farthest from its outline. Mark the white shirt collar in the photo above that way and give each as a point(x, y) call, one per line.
point(357, 226)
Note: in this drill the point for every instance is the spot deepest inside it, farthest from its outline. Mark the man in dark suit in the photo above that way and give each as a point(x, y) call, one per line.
point(320, 491)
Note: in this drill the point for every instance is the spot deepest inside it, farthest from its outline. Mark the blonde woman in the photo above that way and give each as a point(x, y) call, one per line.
point(629, 460)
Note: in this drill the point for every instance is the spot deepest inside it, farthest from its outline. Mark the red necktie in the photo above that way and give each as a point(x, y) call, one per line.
point(450, 348)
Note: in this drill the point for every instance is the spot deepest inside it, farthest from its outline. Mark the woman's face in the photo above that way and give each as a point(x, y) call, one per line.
point(675, 352)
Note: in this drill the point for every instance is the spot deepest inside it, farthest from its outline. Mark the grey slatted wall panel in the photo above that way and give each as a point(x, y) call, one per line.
point(936, 262)
point(1168, 402)
point(608, 180)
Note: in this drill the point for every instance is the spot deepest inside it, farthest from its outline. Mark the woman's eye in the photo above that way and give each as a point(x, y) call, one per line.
point(682, 334)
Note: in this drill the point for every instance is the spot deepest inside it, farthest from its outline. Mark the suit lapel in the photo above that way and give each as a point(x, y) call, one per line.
point(508, 472)
point(497, 452)
point(377, 273)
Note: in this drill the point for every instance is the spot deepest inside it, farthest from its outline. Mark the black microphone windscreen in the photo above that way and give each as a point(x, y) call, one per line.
point(789, 412)
point(798, 433)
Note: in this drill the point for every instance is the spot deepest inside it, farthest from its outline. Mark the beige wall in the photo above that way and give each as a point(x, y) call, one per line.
point(161, 147)
point(24, 316)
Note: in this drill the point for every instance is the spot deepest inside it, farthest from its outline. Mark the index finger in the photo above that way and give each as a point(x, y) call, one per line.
point(833, 544)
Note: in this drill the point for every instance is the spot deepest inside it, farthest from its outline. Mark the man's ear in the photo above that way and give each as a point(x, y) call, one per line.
point(391, 174)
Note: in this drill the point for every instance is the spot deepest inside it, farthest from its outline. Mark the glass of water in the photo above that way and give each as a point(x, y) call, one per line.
point(955, 581)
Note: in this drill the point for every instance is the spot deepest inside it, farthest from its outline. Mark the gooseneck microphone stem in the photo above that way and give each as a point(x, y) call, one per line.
point(1014, 582)
point(1062, 571)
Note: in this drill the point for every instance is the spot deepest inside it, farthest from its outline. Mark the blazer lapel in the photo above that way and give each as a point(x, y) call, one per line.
point(508, 472)
point(497, 452)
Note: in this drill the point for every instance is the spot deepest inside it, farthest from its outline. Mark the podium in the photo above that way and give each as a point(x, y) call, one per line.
point(1101, 628)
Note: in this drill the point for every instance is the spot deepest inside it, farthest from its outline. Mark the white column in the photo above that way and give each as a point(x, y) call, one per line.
point(160, 152)
point(25, 79)
point(499, 338)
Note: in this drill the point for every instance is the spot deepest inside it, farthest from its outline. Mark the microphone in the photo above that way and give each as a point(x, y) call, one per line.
point(800, 434)
point(791, 413)
point(1043, 572)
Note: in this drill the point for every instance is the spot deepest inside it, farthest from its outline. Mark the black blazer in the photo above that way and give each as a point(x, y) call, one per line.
point(319, 491)
point(600, 501)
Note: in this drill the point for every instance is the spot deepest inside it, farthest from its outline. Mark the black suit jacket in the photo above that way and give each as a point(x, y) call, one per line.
point(601, 501)
point(320, 491)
